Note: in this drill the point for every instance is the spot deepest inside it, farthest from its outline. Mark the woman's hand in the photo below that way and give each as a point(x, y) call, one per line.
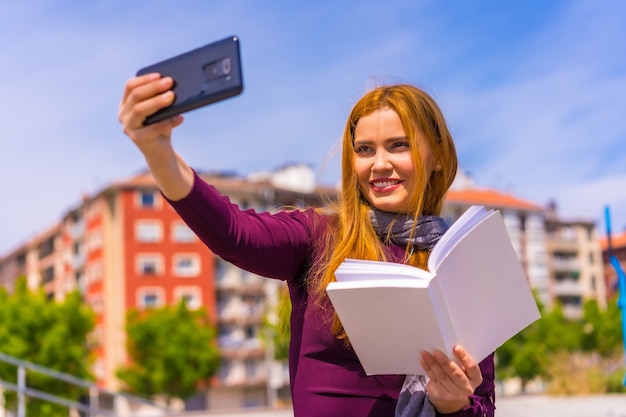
point(143, 96)
point(450, 385)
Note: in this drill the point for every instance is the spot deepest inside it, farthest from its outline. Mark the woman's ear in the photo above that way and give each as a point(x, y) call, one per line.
point(437, 167)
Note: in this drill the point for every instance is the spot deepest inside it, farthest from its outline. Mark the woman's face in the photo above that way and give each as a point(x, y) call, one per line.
point(382, 160)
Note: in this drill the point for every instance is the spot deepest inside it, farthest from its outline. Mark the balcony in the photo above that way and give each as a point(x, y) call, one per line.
point(235, 348)
point(252, 283)
point(241, 311)
point(228, 277)
point(565, 264)
point(568, 287)
point(77, 230)
point(563, 243)
point(78, 261)
point(243, 372)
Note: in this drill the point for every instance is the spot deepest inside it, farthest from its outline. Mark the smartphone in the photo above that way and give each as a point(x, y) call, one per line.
point(202, 76)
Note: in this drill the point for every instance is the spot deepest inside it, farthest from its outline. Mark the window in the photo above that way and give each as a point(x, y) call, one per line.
point(148, 231)
point(47, 275)
point(21, 260)
point(149, 264)
point(150, 300)
point(191, 295)
point(46, 247)
point(593, 283)
point(94, 240)
point(182, 233)
point(146, 199)
point(94, 272)
point(97, 269)
point(150, 297)
point(186, 265)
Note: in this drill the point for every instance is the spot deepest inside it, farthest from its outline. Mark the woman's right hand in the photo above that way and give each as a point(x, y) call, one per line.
point(143, 96)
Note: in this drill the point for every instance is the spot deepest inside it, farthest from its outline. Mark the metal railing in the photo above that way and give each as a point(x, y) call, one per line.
point(121, 404)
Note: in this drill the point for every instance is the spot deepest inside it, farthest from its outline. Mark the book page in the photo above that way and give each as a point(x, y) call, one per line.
point(457, 230)
point(388, 326)
point(485, 288)
point(357, 270)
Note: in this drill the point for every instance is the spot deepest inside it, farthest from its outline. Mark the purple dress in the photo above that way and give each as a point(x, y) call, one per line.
point(326, 378)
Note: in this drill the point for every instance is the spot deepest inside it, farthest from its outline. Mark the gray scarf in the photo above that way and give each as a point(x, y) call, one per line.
point(423, 235)
point(401, 229)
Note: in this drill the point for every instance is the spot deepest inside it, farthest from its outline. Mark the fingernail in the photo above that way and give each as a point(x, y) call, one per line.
point(439, 355)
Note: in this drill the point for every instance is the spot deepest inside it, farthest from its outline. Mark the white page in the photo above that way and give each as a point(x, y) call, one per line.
point(485, 288)
point(356, 270)
point(387, 325)
point(459, 228)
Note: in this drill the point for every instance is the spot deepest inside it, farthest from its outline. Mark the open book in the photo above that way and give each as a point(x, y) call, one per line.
point(475, 295)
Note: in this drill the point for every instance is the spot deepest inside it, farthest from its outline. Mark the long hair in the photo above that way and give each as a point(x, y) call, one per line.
point(351, 234)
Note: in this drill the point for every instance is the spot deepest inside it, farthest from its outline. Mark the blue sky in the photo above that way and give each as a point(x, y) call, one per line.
point(534, 92)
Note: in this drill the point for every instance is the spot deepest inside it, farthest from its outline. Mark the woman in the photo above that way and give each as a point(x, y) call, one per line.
point(398, 162)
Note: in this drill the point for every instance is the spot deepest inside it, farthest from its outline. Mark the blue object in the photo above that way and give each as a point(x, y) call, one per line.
point(621, 280)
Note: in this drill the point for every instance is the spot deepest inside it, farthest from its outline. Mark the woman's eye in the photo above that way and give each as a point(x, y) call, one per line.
point(363, 150)
point(400, 146)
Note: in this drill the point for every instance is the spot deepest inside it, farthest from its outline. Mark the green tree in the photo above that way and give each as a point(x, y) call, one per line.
point(171, 350)
point(527, 354)
point(277, 319)
point(47, 333)
point(601, 329)
point(554, 338)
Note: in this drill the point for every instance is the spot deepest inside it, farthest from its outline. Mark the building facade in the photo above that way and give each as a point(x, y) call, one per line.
point(577, 271)
point(126, 248)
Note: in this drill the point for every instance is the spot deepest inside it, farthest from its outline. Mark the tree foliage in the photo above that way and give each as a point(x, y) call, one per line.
point(601, 329)
point(277, 319)
point(529, 354)
point(46, 333)
point(171, 350)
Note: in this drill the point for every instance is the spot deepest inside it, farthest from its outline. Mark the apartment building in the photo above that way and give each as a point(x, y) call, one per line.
point(126, 248)
point(123, 248)
point(523, 220)
point(38, 260)
point(577, 272)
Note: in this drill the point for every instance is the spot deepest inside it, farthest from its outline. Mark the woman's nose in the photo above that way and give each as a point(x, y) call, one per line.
point(381, 161)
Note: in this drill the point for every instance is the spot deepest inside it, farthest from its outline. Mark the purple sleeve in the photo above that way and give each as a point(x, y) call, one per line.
point(482, 403)
point(271, 245)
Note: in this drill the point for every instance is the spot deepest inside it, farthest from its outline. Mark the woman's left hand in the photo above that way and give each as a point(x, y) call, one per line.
point(451, 385)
